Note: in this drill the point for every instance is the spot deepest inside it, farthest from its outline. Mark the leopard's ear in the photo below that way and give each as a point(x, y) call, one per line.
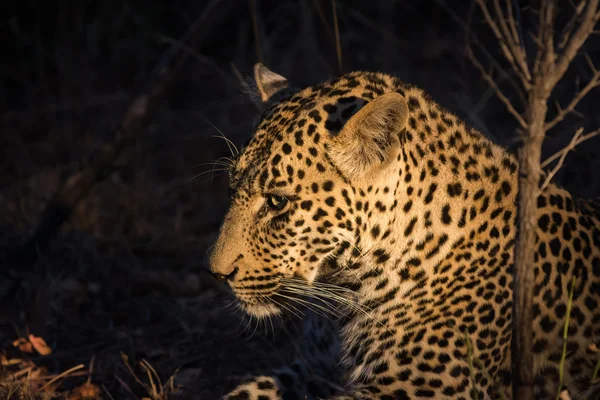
point(367, 138)
point(268, 82)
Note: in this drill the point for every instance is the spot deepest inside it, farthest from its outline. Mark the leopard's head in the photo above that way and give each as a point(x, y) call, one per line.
point(294, 187)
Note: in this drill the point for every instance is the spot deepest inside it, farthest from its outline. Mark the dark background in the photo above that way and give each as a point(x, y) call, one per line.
point(124, 275)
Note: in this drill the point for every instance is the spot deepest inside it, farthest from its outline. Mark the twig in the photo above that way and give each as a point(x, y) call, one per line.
point(568, 30)
point(594, 82)
point(319, 10)
point(91, 369)
point(472, 38)
point(576, 40)
point(474, 392)
point(512, 23)
point(568, 148)
point(511, 51)
point(125, 359)
point(595, 373)
point(61, 375)
point(490, 81)
point(125, 386)
point(481, 366)
point(563, 356)
point(512, 41)
point(563, 155)
point(338, 44)
point(107, 392)
point(255, 28)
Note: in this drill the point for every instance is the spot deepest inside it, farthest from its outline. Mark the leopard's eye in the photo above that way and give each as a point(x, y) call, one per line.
point(276, 202)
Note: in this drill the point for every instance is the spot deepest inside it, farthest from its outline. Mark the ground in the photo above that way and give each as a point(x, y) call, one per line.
point(125, 275)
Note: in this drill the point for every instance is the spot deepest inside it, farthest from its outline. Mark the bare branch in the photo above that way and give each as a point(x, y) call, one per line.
point(563, 155)
point(586, 27)
point(490, 81)
point(256, 30)
point(512, 40)
point(594, 82)
point(338, 45)
point(490, 58)
point(512, 23)
point(569, 147)
point(568, 30)
point(506, 47)
point(548, 11)
point(545, 59)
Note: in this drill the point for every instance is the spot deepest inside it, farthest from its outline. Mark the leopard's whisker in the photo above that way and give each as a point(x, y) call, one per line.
point(323, 301)
point(341, 294)
point(353, 305)
point(320, 284)
point(232, 147)
point(293, 311)
point(224, 161)
point(319, 292)
point(318, 309)
point(327, 297)
point(209, 171)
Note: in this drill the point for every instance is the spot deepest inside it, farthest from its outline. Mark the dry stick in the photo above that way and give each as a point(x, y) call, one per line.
point(338, 44)
point(60, 376)
point(319, 10)
point(254, 14)
point(512, 23)
point(510, 50)
point(513, 41)
point(473, 392)
point(577, 38)
point(596, 370)
point(492, 83)
point(481, 366)
point(561, 160)
point(593, 391)
point(568, 29)
point(562, 113)
point(563, 355)
point(99, 165)
point(570, 147)
point(472, 38)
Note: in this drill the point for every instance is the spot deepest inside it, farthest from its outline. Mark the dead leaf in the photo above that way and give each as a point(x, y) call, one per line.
point(40, 345)
point(87, 391)
point(564, 395)
point(24, 345)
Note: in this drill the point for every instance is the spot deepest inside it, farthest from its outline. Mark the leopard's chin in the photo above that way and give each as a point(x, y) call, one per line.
point(261, 310)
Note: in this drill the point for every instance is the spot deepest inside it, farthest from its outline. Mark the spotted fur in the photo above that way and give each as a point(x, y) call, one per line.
point(402, 215)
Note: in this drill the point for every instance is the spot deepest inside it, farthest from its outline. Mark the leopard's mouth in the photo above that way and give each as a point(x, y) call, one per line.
point(260, 310)
point(285, 296)
point(259, 303)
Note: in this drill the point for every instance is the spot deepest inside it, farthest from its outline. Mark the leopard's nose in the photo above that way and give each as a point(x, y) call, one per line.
point(226, 277)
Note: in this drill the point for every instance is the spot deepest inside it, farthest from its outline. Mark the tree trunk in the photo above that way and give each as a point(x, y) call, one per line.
point(529, 178)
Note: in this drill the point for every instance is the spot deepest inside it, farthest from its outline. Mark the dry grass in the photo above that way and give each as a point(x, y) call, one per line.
point(124, 276)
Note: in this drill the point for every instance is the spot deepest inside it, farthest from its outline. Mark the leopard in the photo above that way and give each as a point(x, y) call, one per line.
point(364, 197)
